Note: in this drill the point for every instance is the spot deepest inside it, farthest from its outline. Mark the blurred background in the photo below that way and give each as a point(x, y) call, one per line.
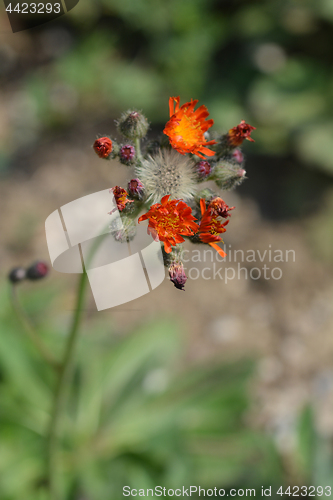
point(226, 385)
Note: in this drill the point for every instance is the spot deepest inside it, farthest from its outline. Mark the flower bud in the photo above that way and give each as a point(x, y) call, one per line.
point(236, 135)
point(227, 175)
point(238, 156)
point(133, 125)
point(234, 138)
point(37, 271)
point(127, 154)
point(204, 169)
point(125, 233)
point(177, 275)
point(103, 147)
point(206, 193)
point(17, 274)
point(136, 188)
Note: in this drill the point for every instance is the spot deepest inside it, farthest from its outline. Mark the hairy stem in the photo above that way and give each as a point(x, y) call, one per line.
point(60, 392)
point(30, 330)
point(138, 149)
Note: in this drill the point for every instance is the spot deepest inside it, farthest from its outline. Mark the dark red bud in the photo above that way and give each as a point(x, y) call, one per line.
point(204, 169)
point(103, 147)
point(127, 153)
point(135, 187)
point(37, 271)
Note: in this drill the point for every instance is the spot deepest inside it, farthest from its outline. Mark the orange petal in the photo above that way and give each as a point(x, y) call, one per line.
point(205, 151)
point(218, 249)
point(167, 247)
point(165, 198)
point(173, 109)
point(202, 206)
point(171, 106)
point(178, 238)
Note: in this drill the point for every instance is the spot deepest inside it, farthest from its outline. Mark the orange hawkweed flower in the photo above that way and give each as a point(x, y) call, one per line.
point(169, 220)
point(120, 195)
point(186, 128)
point(236, 135)
point(210, 228)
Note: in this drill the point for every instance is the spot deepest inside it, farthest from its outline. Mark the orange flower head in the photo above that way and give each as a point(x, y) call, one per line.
point(210, 228)
point(219, 207)
point(236, 135)
point(169, 220)
point(120, 195)
point(186, 128)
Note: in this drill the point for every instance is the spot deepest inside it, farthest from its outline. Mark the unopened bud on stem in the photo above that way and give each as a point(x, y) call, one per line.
point(177, 275)
point(127, 154)
point(136, 188)
point(203, 169)
point(133, 125)
point(228, 175)
point(17, 274)
point(103, 147)
point(37, 271)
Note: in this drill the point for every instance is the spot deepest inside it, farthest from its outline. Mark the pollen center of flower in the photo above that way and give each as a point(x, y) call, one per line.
point(188, 131)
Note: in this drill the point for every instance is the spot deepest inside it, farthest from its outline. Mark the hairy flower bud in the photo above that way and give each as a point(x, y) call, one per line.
point(204, 169)
point(37, 271)
point(227, 175)
point(206, 193)
point(103, 147)
point(127, 154)
point(125, 233)
point(133, 125)
point(17, 274)
point(136, 188)
point(177, 275)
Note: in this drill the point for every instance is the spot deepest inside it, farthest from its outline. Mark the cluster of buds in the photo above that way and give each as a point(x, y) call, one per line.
point(167, 177)
point(133, 126)
point(38, 270)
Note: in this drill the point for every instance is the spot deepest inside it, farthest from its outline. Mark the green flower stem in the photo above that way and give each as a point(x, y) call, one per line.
point(30, 330)
point(64, 376)
point(65, 372)
point(138, 149)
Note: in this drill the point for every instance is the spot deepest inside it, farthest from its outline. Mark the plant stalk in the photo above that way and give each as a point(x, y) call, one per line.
point(30, 330)
point(60, 392)
point(138, 149)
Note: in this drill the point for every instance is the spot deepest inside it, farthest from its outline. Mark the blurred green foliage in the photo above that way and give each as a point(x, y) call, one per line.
point(135, 414)
point(315, 453)
point(269, 62)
